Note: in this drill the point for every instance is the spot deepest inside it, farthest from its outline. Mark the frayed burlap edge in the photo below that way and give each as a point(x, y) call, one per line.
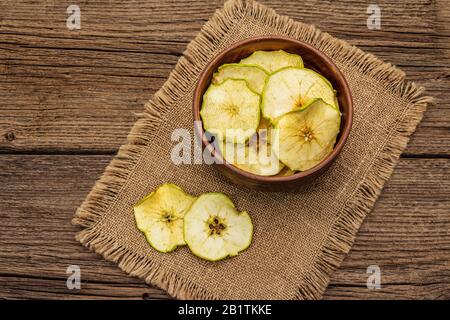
point(198, 53)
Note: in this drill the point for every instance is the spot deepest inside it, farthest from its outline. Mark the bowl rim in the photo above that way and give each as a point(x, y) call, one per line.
point(196, 106)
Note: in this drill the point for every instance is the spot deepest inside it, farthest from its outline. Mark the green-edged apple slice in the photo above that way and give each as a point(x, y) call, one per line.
point(214, 229)
point(272, 61)
point(159, 216)
point(263, 160)
point(305, 137)
point(256, 157)
point(294, 88)
point(253, 74)
point(230, 111)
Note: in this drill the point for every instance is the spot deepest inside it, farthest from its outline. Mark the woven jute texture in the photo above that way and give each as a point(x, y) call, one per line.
point(299, 238)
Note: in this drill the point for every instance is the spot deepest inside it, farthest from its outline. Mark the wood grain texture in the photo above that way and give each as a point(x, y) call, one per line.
point(407, 234)
point(69, 98)
point(72, 91)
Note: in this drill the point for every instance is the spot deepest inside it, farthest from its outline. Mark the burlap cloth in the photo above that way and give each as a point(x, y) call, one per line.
point(299, 238)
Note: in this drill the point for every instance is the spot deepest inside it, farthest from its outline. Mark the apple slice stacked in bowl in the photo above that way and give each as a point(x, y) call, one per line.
point(270, 115)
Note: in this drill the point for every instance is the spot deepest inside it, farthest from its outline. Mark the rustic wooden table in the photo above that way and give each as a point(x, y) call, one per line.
point(69, 98)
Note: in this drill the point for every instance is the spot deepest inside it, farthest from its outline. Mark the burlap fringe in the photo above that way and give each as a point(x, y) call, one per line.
point(196, 56)
point(343, 232)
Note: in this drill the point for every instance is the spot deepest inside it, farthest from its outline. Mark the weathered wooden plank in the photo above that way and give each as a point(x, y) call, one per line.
point(23, 287)
point(71, 91)
point(78, 91)
point(407, 235)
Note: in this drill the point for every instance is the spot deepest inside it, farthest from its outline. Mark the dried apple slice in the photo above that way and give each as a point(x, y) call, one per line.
point(266, 163)
point(256, 157)
point(159, 216)
point(273, 60)
point(253, 74)
point(286, 172)
point(214, 229)
point(294, 88)
point(305, 137)
point(231, 111)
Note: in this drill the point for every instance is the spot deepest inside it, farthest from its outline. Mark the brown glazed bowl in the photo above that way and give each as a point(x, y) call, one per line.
point(313, 59)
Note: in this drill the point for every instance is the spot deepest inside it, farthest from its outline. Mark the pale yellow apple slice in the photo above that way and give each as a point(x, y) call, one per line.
point(159, 216)
point(272, 61)
point(214, 229)
point(294, 88)
point(254, 75)
point(303, 138)
point(255, 157)
point(231, 111)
